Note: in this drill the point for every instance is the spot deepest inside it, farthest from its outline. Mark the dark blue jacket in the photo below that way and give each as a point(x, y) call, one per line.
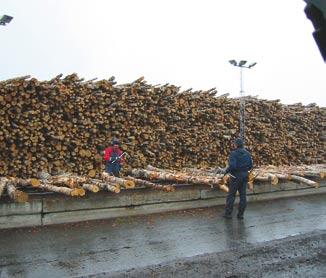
point(239, 161)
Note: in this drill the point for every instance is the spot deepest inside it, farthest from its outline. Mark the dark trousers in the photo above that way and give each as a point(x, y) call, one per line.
point(239, 183)
point(113, 168)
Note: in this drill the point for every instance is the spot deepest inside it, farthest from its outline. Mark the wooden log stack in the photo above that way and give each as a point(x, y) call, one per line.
point(62, 125)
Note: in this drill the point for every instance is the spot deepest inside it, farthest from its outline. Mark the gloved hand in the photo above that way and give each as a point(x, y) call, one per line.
point(112, 159)
point(223, 171)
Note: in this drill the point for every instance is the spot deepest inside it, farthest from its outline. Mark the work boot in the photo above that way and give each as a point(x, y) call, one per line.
point(240, 216)
point(227, 216)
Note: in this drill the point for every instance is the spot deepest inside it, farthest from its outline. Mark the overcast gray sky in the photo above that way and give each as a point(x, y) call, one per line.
point(186, 43)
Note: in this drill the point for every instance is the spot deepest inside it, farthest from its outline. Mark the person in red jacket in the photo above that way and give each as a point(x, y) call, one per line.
point(113, 157)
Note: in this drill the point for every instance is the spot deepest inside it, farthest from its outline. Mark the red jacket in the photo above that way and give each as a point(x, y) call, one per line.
point(109, 151)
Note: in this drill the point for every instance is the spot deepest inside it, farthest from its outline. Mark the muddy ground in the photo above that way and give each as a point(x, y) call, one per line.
point(297, 256)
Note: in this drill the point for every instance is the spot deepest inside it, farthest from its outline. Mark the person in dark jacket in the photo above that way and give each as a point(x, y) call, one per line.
point(240, 162)
point(113, 157)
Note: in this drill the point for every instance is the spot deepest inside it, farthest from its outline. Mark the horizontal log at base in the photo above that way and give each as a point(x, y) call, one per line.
point(309, 171)
point(26, 182)
point(251, 186)
point(105, 185)
point(166, 188)
point(91, 187)
point(3, 183)
point(67, 180)
point(115, 180)
point(74, 192)
point(272, 178)
point(305, 181)
point(15, 194)
point(322, 175)
point(112, 188)
point(179, 177)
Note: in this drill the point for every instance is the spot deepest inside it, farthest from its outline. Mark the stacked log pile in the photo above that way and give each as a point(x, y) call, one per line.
point(62, 125)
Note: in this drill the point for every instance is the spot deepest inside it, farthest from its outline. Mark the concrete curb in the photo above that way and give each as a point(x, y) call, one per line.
point(60, 209)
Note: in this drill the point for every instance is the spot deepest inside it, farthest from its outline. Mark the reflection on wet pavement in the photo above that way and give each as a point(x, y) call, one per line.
point(123, 243)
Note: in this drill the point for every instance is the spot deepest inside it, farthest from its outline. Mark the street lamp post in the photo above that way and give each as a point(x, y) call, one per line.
point(5, 19)
point(242, 65)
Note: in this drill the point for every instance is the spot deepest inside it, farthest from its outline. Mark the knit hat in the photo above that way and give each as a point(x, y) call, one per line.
point(115, 142)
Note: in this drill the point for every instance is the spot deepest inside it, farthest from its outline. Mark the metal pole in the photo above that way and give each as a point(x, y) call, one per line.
point(242, 107)
point(242, 104)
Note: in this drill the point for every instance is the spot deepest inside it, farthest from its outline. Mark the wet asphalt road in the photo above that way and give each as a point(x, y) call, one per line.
point(123, 243)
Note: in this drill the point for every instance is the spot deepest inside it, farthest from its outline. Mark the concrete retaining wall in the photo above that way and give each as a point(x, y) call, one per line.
point(56, 209)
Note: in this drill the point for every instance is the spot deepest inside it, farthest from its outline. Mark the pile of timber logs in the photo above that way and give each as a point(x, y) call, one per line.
point(62, 125)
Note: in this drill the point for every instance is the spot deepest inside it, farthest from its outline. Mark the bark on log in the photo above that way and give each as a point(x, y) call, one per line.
point(74, 192)
point(91, 187)
point(15, 194)
point(115, 188)
point(153, 175)
point(304, 180)
point(266, 177)
point(3, 182)
point(26, 182)
point(115, 180)
point(166, 188)
point(68, 180)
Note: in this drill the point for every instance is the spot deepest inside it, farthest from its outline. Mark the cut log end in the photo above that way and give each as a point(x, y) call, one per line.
point(78, 192)
point(91, 173)
point(224, 188)
point(35, 182)
point(15, 194)
point(274, 180)
point(129, 184)
point(21, 197)
point(168, 188)
point(91, 187)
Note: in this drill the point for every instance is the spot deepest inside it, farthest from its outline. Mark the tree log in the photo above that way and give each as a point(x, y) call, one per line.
point(115, 188)
point(115, 180)
point(15, 194)
point(68, 180)
point(304, 180)
point(153, 175)
point(3, 182)
point(74, 192)
point(26, 182)
point(166, 188)
point(91, 187)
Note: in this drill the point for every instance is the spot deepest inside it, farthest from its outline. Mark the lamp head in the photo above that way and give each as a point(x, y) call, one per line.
point(252, 65)
point(5, 19)
point(242, 63)
point(233, 62)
